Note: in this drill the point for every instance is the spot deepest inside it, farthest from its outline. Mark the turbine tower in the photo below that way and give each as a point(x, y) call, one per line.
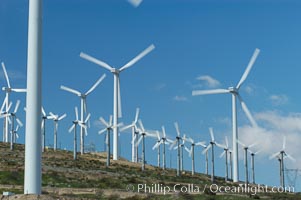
point(234, 91)
point(116, 94)
point(83, 106)
point(177, 141)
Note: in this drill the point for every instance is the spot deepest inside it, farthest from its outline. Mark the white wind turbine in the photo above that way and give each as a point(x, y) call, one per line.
point(162, 140)
point(16, 135)
point(135, 133)
point(74, 127)
point(44, 118)
point(234, 91)
point(14, 118)
point(177, 141)
point(108, 128)
point(143, 134)
point(83, 106)
point(246, 147)
point(281, 155)
point(3, 115)
point(116, 94)
point(7, 91)
point(157, 146)
point(212, 143)
point(253, 164)
point(191, 151)
point(225, 153)
point(56, 119)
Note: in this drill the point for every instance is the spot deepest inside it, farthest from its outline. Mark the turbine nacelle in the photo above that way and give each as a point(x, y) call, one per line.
point(115, 71)
point(6, 89)
point(233, 90)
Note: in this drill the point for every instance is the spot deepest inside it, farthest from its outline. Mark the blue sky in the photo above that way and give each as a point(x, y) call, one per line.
point(199, 45)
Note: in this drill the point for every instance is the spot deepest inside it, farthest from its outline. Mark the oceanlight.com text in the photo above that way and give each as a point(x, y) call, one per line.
point(214, 188)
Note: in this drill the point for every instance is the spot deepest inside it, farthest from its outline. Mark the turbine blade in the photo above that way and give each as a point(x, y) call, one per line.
point(18, 90)
point(141, 125)
point(248, 69)
point(290, 157)
point(138, 142)
point(19, 122)
point(274, 155)
point(163, 131)
point(247, 111)
point(156, 145)
point(101, 119)
point(206, 149)
point(138, 57)
point(203, 144)
point(9, 106)
point(119, 99)
point(135, 3)
point(204, 92)
point(102, 131)
point(43, 112)
point(134, 138)
point(222, 154)
point(96, 61)
point(5, 74)
point(126, 127)
point(158, 135)
point(137, 115)
point(76, 113)
point(227, 142)
point(177, 128)
point(96, 84)
point(111, 120)
point(17, 106)
point(88, 117)
point(71, 128)
point(252, 145)
point(211, 134)
point(241, 143)
point(3, 104)
point(62, 117)
point(70, 90)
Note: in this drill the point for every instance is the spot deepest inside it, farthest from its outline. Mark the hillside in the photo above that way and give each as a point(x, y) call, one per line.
point(89, 178)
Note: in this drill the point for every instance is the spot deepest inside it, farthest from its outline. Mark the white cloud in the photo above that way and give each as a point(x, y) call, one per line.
point(180, 98)
point(269, 136)
point(208, 81)
point(278, 100)
point(160, 86)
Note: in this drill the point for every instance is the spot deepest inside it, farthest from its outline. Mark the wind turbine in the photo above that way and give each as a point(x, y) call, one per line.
point(246, 147)
point(44, 118)
point(14, 118)
point(225, 153)
point(135, 133)
point(212, 143)
point(234, 91)
point(108, 128)
point(177, 141)
point(16, 133)
point(253, 164)
point(7, 91)
point(116, 94)
point(74, 127)
point(191, 151)
point(157, 146)
point(56, 119)
point(3, 114)
point(281, 155)
point(143, 134)
point(83, 106)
